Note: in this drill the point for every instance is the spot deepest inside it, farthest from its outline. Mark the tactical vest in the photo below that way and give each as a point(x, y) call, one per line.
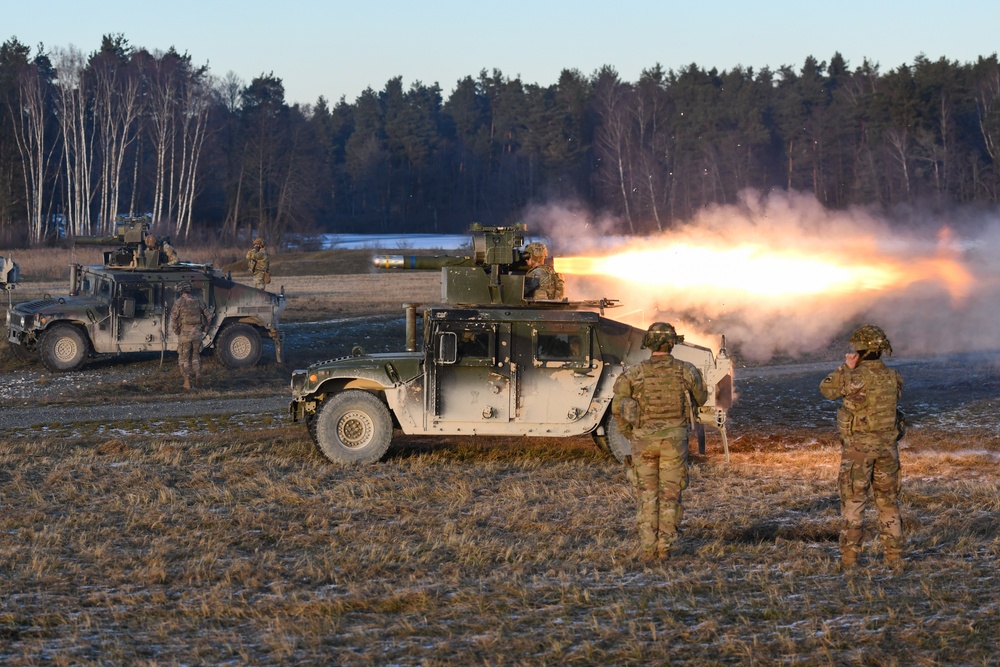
point(189, 313)
point(871, 398)
point(659, 388)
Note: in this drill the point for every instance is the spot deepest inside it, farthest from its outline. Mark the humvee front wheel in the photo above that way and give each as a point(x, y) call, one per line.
point(63, 348)
point(353, 427)
point(613, 441)
point(238, 346)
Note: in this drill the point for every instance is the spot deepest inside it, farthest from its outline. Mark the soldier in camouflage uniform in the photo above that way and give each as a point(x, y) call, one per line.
point(870, 427)
point(542, 281)
point(259, 264)
point(651, 406)
point(188, 318)
point(167, 254)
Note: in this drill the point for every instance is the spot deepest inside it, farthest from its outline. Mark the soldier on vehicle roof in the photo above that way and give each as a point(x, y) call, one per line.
point(870, 426)
point(541, 281)
point(166, 251)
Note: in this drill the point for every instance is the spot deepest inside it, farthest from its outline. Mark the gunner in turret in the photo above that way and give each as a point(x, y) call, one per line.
point(542, 281)
point(167, 253)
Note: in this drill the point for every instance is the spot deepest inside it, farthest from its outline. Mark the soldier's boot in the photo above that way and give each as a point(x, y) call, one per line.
point(894, 559)
point(646, 555)
point(848, 559)
point(187, 383)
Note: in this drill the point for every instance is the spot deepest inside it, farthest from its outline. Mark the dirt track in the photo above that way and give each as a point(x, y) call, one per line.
point(328, 315)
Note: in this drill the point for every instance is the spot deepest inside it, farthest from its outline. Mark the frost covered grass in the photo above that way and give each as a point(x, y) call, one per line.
point(248, 547)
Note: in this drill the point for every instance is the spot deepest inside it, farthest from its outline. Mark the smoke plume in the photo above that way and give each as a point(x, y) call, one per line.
point(782, 276)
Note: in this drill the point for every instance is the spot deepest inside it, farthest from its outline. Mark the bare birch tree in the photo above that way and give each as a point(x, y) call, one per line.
point(72, 109)
point(29, 134)
point(116, 112)
point(612, 137)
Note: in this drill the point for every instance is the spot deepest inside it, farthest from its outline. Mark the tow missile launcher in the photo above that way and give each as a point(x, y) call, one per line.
point(493, 274)
point(124, 305)
point(493, 362)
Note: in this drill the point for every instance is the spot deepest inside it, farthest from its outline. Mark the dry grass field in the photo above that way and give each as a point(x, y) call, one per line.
point(215, 541)
point(250, 548)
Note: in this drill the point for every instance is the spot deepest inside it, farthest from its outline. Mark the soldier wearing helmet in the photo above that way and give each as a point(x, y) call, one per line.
point(870, 426)
point(165, 252)
point(651, 406)
point(188, 319)
point(542, 281)
point(259, 264)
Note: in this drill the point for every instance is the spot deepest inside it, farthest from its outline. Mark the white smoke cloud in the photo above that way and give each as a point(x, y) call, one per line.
point(924, 315)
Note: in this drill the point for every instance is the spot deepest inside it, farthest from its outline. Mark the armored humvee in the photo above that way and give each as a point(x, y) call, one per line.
point(124, 306)
point(493, 363)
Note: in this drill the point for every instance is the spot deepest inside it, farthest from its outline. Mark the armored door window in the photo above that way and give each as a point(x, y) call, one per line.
point(472, 344)
point(475, 344)
point(562, 346)
point(104, 288)
point(141, 297)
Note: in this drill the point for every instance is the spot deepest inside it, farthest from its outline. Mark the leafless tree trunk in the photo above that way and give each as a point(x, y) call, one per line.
point(196, 105)
point(116, 110)
point(78, 138)
point(29, 134)
point(612, 137)
point(899, 142)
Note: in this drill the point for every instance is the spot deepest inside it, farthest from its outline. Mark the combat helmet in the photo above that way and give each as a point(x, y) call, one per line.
point(184, 287)
point(536, 249)
point(258, 242)
point(870, 338)
point(661, 337)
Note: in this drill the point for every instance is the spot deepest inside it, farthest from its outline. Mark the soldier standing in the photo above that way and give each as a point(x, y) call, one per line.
point(541, 281)
point(188, 318)
point(167, 254)
point(259, 264)
point(869, 428)
point(651, 403)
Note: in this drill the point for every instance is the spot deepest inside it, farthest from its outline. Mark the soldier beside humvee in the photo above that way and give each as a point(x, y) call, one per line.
point(123, 305)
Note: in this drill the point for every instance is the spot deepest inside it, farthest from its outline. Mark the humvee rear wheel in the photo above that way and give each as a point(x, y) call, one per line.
point(238, 346)
point(613, 441)
point(63, 348)
point(353, 427)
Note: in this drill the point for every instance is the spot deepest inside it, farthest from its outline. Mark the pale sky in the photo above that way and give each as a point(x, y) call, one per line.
point(338, 48)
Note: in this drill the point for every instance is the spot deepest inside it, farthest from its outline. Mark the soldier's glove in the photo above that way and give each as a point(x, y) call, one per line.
point(629, 410)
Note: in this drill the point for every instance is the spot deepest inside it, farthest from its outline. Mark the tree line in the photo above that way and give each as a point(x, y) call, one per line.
point(126, 131)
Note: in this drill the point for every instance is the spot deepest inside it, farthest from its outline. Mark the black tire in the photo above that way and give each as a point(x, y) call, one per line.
point(353, 427)
point(310, 420)
point(613, 442)
point(22, 353)
point(238, 346)
point(699, 432)
point(63, 348)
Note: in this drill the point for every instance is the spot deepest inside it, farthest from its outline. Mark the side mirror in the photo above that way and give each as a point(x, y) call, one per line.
point(128, 307)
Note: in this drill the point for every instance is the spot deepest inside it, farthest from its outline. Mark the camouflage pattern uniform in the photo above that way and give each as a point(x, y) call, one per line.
point(542, 281)
point(869, 431)
point(259, 263)
point(167, 254)
point(650, 405)
point(188, 318)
